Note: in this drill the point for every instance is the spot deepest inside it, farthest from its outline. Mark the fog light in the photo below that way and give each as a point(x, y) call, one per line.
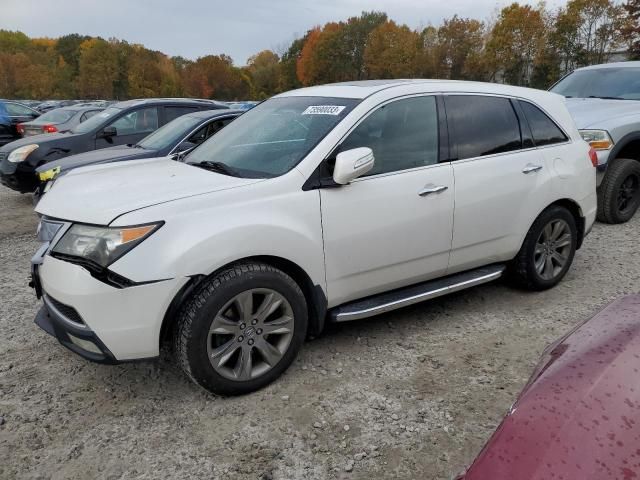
point(87, 345)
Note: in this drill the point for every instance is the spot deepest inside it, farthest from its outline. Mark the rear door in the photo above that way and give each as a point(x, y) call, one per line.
point(502, 180)
point(131, 127)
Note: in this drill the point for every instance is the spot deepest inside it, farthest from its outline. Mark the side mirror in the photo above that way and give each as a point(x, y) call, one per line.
point(109, 132)
point(352, 164)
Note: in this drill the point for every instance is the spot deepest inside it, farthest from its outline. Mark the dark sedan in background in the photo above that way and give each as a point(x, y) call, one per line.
point(58, 120)
point(120, 124)
point(11, 115)
point(175, 138)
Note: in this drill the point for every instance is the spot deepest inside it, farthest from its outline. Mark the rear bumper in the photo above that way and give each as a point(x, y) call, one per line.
point(122, 323)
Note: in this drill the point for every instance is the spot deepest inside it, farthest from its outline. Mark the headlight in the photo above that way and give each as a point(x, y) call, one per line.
point(102, 245)
point(21, 154)
point(598, 139)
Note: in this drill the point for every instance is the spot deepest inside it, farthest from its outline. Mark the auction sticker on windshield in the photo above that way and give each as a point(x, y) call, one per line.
point(323, 110)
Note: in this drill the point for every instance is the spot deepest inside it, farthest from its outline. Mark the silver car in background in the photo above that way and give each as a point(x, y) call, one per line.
point(604, 101)
point(58, 120)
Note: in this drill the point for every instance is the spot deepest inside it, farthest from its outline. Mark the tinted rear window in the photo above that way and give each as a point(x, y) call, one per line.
point(544, 130)
point(483, 125)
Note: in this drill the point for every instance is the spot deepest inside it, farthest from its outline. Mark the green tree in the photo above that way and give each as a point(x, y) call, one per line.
point(264, 69)
point(98, 67)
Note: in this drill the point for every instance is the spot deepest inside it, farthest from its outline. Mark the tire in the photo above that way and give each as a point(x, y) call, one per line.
point(619, 193)
point(525, 268)
point(209, 327)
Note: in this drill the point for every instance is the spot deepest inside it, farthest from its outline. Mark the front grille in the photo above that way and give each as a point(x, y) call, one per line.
point(68, 312)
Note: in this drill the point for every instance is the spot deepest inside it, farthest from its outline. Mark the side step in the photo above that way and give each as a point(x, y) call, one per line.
point(385, 302)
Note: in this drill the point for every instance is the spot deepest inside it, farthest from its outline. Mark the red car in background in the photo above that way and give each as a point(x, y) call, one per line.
point(578, 417)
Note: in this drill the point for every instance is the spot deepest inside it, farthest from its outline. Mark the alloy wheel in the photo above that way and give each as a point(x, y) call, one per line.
point(250, 334)
point(553, 249)
point(628, 194)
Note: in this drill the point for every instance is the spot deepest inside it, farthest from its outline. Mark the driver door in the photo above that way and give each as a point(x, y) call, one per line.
point(392, 227)
point(130, 128)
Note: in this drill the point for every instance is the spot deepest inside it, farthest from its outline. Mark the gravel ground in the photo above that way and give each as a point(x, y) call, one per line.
point(411, 394)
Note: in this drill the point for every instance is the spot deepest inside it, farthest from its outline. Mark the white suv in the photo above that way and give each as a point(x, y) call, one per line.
point(330, 203)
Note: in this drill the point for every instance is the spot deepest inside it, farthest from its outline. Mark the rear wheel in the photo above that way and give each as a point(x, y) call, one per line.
point(547, 251)
point(619, 193)
point(241, 329)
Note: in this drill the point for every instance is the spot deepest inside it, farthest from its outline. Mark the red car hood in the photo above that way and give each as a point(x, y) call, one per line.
point(578, 418)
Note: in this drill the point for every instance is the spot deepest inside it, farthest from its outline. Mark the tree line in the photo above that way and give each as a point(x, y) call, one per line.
point(522, 45)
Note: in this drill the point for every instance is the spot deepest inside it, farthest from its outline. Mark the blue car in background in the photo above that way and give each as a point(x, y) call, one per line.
point(11, 114)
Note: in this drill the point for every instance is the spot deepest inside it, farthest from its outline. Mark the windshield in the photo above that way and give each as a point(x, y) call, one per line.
point(170, 133)
point(273, 137)
point(59, 115)
point(617, 83)
point(97, 120)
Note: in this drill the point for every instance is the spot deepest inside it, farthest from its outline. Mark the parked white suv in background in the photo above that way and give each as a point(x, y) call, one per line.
point(331, 203)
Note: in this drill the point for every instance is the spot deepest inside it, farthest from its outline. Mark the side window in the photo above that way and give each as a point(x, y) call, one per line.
point(402, 135)
point(483, 125)
point(544, 130)
point(17, 110)
point(199, 137)
point(172, 113)
point(88, 115)
point(144, 120)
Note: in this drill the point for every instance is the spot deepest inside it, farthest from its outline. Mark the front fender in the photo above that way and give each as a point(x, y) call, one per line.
point(198, 238)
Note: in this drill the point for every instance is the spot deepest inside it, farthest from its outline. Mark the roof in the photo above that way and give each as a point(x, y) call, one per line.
point(611, 65)
point(366, 88)
point(174, 101)
point(81, 108)
point(206, 114)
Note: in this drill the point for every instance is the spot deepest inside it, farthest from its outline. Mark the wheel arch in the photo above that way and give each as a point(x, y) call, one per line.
point(314, 294)
point(576, 211)
point(627, 147)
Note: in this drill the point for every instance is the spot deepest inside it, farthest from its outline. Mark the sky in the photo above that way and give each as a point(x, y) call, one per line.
point(239, 28)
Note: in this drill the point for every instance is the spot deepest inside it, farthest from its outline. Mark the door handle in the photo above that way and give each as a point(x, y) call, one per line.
point(429, 189)
point(531, 168)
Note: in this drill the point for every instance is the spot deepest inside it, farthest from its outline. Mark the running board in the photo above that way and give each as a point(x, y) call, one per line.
point(385, 302)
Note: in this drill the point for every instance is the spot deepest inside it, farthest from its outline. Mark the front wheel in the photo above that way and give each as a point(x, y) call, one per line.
point(547, 251)
point(242, 329)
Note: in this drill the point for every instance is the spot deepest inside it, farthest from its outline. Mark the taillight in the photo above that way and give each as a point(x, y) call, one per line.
point(594, 157)
point(49, 129)
point(20, 128)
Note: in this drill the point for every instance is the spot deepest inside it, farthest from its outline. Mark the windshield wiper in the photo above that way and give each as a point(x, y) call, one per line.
point(217, 167)
point(606, 98)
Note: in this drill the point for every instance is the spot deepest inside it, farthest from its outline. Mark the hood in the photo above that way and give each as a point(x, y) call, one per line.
point(98, 194)
point(93, 157)
point(46, 139)
point(596, 112)
point(578, 417)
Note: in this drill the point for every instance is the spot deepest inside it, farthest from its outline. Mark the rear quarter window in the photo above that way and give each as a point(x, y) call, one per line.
point(544, 130)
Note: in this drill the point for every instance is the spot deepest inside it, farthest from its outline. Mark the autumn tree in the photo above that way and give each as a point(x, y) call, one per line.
point(631, 28)
point(515, 42)
point(392, 51)
point(215, 77)
point(586, 32)
point(459, 49)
